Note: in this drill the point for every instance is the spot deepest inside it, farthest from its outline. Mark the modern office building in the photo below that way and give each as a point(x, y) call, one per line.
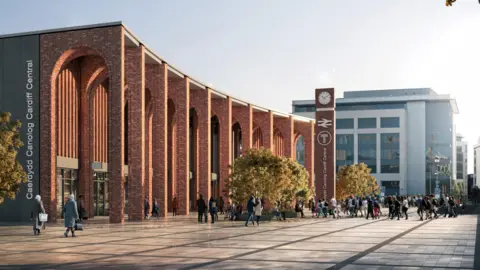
point(406, 136)
point(476, 156)
point(462, 156)
point(105, 117)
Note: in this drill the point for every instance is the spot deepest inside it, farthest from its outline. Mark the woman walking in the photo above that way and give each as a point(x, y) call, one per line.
point(71, 215)
point(258, 211)
point(37, 210)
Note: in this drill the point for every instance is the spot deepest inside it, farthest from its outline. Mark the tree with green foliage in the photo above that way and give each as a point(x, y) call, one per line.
point(297, 185)
point(458, 190)
point(12, 173)
point(356, 179)
point(260, 173)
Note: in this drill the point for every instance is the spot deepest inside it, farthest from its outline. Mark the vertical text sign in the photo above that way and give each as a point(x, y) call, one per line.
point(325, 143)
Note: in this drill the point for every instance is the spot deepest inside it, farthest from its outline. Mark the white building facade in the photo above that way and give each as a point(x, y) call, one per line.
point(405, 136)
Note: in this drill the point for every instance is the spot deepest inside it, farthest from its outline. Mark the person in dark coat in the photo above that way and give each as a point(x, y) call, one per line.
point(174, 206)
point(250, 209)
point(82, 213)
point(201, 206)
point(71, 215)
point(36, 211)
point(146, 207)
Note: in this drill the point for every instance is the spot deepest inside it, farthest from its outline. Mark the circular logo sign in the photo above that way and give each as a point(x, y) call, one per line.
point(324, 138)
point(324, 98)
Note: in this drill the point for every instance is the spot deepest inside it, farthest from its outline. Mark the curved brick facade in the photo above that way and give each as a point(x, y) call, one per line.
point(159, 140)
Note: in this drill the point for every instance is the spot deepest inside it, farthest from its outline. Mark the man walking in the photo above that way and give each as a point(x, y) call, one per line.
point(201, 208)
point(250, 209)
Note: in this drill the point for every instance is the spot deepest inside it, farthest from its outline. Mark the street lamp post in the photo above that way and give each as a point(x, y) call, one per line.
point(437, 160)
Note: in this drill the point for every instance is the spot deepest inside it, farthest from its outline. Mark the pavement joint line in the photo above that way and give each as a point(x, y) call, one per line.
point(276, 246)
point(366, 252)
point(259, 249)
point(130, 230)
point(198, 242)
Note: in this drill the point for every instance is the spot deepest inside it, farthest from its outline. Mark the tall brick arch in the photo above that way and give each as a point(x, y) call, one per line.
point(171, 148)
point(57, 50)
point(278, 143)
point(257, 137)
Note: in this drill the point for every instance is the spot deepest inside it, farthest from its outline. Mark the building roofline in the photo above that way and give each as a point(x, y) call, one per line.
point(201, 84)
point(63, 29)
point(151, 53)
point(346, 101)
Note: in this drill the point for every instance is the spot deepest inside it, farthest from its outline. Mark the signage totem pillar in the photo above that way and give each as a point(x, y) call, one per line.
point(325, 178)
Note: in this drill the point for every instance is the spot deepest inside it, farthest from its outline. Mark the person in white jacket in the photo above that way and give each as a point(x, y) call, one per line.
point(258, 210)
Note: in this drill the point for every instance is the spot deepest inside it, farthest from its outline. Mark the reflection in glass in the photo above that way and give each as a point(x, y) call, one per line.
point(390, 122)
point(367, 150)
point(347, 123)
point(438, 138)
point(390, 152)
point(345, 150)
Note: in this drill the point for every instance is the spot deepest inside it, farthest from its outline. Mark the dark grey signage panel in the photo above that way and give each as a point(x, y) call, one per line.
point(20, 95)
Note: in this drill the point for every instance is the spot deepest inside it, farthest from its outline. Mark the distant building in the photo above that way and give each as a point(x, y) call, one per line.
point(406, 136)
point(476, 153)
point(462, 155)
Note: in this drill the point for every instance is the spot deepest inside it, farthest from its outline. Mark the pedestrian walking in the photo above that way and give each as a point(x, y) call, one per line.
point(201, 207)
point(212, 206)
point(71, 215)
point(258, 211)
point(38, 215)
point(250, 209)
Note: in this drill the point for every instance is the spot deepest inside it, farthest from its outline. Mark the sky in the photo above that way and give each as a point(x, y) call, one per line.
point(271, 52)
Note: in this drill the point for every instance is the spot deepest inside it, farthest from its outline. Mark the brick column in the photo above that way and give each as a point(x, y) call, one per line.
point(148, 155)
point(116, 135)
point(179, 91)
point(200, 99)
point(265, 121)
point(286, 127)
point(158, 84)
point(135, 75)
point(244, 115)
point(223, 110)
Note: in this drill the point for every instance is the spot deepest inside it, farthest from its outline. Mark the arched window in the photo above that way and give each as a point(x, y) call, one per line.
point(300, 150)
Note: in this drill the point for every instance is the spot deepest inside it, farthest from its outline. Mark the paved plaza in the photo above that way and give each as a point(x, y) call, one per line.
point(180, 243)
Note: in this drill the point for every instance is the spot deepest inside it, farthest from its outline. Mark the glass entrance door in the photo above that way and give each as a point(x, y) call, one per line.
point(100, 195)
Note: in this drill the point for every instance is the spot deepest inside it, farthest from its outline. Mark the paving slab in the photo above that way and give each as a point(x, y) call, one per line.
point(310, 243)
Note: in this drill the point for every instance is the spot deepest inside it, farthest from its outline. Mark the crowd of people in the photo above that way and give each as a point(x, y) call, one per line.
point(428, 207)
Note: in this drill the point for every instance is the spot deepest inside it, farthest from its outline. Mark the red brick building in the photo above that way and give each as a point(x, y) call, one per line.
point(119, 124)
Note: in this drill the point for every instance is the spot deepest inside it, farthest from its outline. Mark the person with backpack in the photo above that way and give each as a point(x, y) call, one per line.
point(325, 208)
point(420, 207)
point(212, 206)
